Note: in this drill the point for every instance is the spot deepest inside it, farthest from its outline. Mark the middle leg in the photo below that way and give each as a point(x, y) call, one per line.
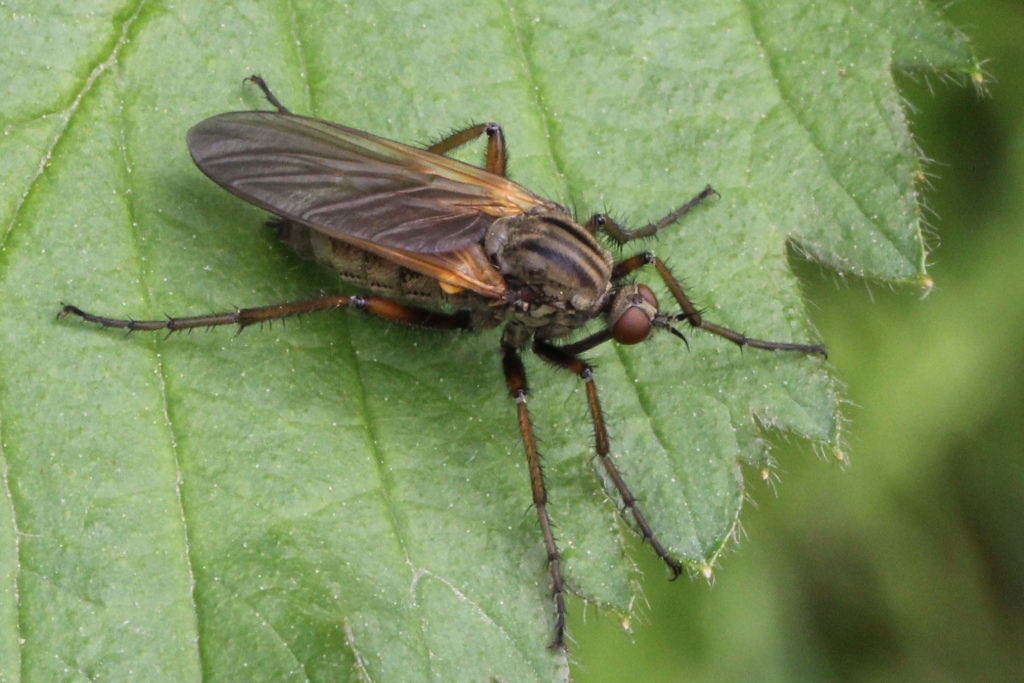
point(515, 378)
point(497, 158)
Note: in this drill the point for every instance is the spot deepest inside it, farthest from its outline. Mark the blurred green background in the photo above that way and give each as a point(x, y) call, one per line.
point(909, 565)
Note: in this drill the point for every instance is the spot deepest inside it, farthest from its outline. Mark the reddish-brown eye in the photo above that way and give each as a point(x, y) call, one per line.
point(632, 327)
point(634, 309)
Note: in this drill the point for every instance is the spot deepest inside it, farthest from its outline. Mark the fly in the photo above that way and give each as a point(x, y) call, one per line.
point(443, 245)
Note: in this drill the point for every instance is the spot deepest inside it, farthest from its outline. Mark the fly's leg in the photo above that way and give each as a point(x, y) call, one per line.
point(693, 316)
point(262, 85)
point(515, 379)
point(603, 223)
point(385, 309)
point(497, 158)
point(562, 358)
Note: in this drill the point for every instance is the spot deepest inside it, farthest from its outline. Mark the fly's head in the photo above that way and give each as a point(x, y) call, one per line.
point(633, 314)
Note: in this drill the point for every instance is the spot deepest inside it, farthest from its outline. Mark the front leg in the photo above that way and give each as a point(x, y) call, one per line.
point(560, 357)
point(692, 315)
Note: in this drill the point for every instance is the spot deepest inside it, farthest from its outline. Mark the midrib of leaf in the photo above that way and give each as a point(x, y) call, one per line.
point(160, 373)
point(533, 86)
point(379, 457)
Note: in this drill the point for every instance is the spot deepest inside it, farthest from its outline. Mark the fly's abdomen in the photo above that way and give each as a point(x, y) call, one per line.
point(366, 270)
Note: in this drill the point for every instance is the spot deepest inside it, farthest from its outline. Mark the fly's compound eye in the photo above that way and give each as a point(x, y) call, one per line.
point(632, 314)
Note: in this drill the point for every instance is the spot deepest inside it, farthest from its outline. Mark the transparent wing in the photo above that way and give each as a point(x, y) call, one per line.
point(352, 185)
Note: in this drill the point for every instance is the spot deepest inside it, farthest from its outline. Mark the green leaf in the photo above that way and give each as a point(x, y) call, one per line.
point(342, 499)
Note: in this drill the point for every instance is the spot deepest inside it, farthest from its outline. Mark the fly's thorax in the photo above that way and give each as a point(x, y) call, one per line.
point(559, 262)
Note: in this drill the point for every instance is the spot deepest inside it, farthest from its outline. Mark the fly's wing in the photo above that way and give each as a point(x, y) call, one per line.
point(353, 186)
